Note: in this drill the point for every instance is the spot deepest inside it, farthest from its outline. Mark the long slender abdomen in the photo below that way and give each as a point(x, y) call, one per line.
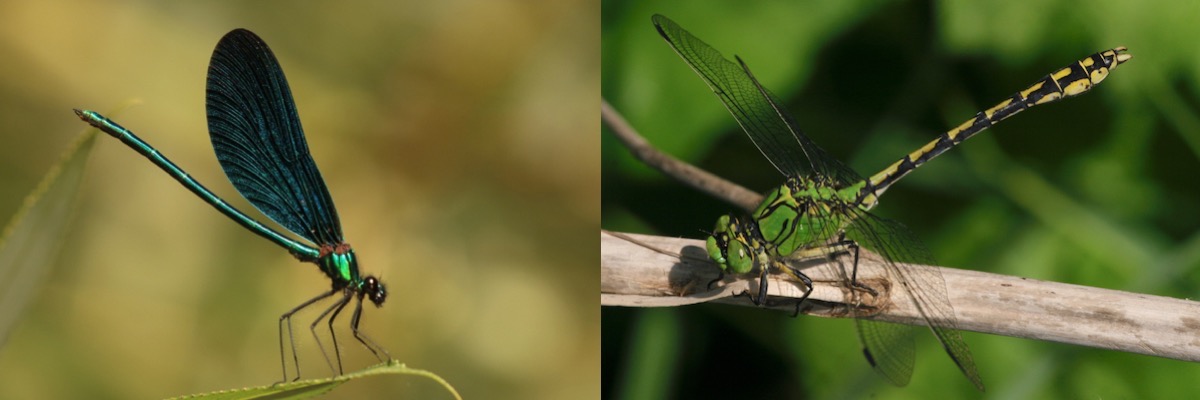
point(1072, 80)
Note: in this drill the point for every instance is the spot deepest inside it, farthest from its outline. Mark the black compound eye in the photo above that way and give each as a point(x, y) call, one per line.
point(375, 290)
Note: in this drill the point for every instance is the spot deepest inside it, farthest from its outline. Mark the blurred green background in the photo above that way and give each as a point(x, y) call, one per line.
point(1097, 191)
point(457, 139)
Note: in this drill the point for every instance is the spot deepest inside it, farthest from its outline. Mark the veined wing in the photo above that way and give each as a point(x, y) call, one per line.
point(256, 133)
point(889, 346)
point(758, 111)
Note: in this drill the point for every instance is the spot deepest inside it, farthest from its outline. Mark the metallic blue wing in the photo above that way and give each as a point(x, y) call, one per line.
point(256, 133)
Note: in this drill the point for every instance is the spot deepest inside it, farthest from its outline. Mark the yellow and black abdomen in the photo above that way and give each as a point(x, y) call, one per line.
point(1071, 80)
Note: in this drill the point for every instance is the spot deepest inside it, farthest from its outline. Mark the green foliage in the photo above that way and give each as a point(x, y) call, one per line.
point(315, 387)
point(29, 245)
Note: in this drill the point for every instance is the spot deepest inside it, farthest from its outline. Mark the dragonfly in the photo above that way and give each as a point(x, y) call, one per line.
point(256, 134)
point(823, 208)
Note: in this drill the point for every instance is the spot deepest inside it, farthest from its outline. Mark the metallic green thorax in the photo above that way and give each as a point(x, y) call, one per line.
point(340, 264)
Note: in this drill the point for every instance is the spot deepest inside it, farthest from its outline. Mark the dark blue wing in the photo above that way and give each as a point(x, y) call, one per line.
point(256, 134)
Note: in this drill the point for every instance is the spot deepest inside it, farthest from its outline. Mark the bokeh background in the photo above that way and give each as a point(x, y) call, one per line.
point(1099, 190)
point(458, 139)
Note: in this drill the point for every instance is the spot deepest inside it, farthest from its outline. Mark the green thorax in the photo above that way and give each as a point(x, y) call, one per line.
point(340, 264)
point(801, 214)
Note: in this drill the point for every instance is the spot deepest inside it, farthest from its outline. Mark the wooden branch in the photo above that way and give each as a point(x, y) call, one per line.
point(695, 177)
point(648, 271)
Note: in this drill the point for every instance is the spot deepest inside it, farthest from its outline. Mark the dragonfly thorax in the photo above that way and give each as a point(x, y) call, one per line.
point(800, 214)
point(339, 263)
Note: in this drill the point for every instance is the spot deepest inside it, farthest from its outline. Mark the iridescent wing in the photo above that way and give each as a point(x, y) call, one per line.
point(256, 134)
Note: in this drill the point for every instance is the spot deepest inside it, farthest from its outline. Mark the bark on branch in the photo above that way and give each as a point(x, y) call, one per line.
point(648, 271)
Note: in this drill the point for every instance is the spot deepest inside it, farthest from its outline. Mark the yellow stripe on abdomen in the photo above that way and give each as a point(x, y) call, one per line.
point(1073, 80)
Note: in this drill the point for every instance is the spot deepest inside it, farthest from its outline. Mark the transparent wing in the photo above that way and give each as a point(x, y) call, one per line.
point(256, 134)
point(889, 346)
point(771, 128)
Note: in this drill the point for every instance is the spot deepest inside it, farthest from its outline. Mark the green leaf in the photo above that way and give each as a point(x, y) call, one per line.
point(30, 242)
point(315, 387)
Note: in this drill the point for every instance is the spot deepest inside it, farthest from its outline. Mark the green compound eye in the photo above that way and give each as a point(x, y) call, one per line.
point(740, 259)
point(717, 244)
point(715, 251)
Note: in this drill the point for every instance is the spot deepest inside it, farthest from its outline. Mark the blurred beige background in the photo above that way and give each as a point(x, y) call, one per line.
point(458, 139)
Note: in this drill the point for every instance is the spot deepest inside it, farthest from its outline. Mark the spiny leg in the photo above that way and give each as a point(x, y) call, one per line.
point(337, 350)
point(761, 298)
point(764, 271)
point(853, 248)
point(362, 337)
point(794, 272)
point(313, 329)
point(291, 338)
